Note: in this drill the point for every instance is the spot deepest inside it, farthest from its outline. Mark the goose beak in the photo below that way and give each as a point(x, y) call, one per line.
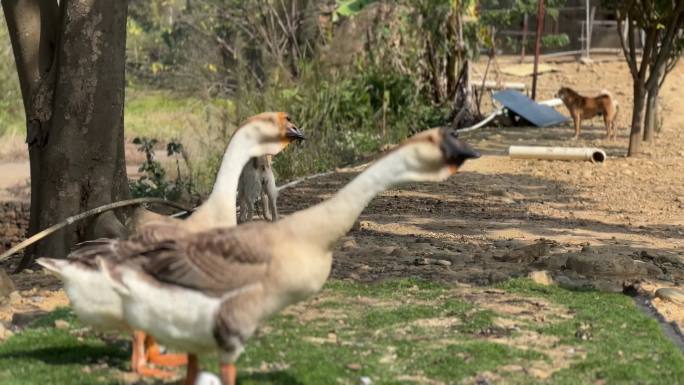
point(455, 151)
point(293, 133)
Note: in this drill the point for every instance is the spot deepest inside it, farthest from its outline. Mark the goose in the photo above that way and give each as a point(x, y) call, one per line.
point(93, 298)
point(208, 291)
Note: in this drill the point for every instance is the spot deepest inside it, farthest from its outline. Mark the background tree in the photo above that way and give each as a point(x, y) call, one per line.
point(70, 58)
point(661, 21)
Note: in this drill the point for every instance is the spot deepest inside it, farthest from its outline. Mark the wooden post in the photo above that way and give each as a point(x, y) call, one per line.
point(537, 43)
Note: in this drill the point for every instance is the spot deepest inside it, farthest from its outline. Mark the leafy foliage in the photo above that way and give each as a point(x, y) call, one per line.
point(503, 14)
point(154, 182)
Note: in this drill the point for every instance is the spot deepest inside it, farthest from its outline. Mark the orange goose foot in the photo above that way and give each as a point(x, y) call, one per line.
point(156, 357)
point(139, 359)
point(228, 374)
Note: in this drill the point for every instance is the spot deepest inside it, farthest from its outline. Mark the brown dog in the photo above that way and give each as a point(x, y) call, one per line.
point(583, 107)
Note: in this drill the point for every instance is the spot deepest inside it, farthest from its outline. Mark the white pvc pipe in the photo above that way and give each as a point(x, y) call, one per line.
point(491, 84)
point(595, 155)
point(551, 102)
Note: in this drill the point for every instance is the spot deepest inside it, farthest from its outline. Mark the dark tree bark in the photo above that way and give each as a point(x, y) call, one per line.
point(33, 30)
point(637, 119)
point(71, 67)
point(651, 118)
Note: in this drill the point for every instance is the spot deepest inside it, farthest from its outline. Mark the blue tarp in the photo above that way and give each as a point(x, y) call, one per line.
point(537, 114)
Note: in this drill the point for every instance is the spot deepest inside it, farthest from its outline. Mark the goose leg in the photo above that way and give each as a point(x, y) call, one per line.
point(228, 374)
point(193, 370)
point(156, 357)
point(139, 359)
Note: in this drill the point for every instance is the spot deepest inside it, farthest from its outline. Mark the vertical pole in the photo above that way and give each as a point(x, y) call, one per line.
point(587, 29)
point(524, 38)
point(537, 43)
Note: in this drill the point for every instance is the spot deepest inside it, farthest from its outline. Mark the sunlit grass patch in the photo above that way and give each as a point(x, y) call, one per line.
point(399, 332)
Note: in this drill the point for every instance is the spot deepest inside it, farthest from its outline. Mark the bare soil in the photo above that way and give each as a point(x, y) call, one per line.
point(613, 226)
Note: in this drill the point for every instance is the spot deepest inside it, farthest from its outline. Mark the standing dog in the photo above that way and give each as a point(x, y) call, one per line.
point(584, 107)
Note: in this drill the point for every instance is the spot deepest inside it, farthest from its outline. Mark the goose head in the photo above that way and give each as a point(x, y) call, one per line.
point(434, 155)
point(271, 131)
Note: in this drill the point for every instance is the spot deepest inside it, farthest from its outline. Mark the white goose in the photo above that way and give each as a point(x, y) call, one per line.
point(208, 291)
point(92, 296)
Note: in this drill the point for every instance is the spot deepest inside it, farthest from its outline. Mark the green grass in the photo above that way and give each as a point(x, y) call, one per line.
point(164, 114)
point(391, 332)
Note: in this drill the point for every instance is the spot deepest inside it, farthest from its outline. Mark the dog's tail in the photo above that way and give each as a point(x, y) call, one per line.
point(605, 92)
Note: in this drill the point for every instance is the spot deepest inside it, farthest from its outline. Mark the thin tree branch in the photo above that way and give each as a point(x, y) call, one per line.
point(98, 210)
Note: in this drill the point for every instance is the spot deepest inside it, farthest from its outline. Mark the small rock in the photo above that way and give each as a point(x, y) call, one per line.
point(399, 252)
point(362, 268)
point(61, 324)
point(527, 254)
point(496, 277)
point(15, 298)
point(541, 277)
point(589, 250)
point(20, 320)
point(354, 276)
point(386, 250)
point(555, 262)
point(6, 284)
point(422, 261)
point(354, 366)
point(671, 294)
point(608, 265)
point(349, 244)
point(365, 380)
point(567, 283)
point(442, 262)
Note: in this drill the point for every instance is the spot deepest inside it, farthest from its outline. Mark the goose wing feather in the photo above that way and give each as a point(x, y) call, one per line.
point(214, 261)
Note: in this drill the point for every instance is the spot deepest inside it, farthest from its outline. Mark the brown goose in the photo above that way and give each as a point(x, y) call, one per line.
point(208, 291)
point(92, 296)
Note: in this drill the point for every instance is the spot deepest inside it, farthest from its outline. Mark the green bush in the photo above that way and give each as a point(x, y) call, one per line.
point(154, 181)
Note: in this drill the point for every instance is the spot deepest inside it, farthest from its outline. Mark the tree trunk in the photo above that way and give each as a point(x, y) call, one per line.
point(650, 121)
point(455, 52)
point(657, 120)
point(33, 30)
point(74, 115)
point(637, 118)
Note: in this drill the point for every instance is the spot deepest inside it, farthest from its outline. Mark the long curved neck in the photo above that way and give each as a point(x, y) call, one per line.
point(220, 208)
point(328, 221)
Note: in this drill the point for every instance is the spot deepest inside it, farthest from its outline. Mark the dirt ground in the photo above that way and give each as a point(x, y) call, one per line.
point(613, 226)
point(616, 226)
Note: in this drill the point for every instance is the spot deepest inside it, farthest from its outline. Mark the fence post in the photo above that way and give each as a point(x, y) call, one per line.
point(537, 43)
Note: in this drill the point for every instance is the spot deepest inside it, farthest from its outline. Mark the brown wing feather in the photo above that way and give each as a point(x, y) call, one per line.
point(215, 261)
point(146, 240)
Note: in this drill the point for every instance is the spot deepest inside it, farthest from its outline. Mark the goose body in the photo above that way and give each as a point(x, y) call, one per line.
point(92, 296)
point(208, 291)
